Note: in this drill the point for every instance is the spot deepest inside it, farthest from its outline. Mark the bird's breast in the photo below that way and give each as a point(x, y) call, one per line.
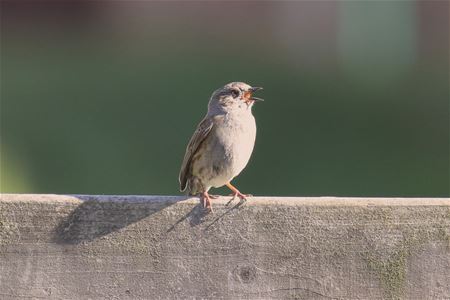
point(237, 135)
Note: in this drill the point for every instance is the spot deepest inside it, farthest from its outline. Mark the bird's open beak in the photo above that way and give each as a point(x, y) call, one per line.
point(251, 91)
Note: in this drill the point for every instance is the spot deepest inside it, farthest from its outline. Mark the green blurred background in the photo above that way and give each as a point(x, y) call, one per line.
point(102, 97)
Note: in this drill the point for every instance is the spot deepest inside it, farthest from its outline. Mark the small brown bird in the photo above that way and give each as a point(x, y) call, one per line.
point(222, 143)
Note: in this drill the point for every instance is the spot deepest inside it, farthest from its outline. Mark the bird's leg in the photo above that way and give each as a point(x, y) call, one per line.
point(236, 192)
point(206, 198)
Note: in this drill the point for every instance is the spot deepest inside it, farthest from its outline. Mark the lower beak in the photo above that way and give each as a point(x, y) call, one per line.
point(256, 99)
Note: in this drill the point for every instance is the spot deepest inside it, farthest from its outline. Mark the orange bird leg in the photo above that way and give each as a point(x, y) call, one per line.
point(236, 192)
point(206, 201)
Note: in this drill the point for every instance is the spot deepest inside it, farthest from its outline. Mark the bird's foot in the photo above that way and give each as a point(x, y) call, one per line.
point(240, 196)
point(236, 193)
point(206, 199)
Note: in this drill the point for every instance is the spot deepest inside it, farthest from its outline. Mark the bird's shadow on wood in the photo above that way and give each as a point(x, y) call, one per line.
point(196, 216)
point(96, 217)
point(199, 215)
point(228, 210)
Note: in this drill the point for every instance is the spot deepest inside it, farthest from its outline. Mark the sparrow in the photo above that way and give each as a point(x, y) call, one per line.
point(222, 143)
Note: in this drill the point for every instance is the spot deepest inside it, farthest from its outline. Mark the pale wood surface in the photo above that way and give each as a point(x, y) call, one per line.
point(167, 247)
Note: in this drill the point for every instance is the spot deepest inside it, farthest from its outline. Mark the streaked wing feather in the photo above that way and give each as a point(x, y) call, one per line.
point(202, 131)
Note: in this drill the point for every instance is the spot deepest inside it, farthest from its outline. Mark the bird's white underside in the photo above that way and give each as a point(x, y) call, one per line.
point(237, 135)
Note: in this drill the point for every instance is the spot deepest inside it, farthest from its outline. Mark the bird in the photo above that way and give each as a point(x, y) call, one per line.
point(222, 144)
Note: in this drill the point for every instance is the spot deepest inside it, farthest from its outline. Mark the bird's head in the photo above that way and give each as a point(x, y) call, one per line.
point(234, 96)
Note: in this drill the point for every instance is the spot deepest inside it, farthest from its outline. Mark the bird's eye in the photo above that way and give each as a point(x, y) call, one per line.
point(234, 93)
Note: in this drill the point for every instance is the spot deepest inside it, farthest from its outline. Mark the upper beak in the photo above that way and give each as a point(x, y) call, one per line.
point(254, 89)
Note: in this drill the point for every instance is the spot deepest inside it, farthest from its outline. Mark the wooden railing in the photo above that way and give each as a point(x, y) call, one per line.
point(167, 247)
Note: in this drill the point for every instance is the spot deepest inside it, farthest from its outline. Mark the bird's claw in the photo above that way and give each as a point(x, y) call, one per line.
point(206, 198)
point(240, 196)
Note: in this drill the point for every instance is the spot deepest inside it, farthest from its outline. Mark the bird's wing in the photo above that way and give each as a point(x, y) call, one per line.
point(200, 134)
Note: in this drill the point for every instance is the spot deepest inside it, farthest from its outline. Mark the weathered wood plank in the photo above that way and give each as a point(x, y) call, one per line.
point(161, 247)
